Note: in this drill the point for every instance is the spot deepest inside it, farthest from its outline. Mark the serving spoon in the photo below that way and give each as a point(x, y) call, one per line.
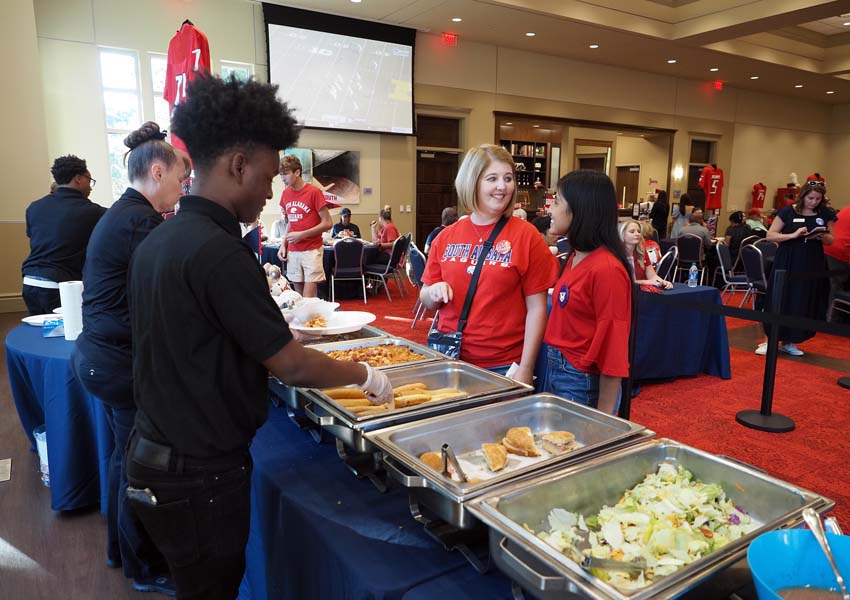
point(812, 519)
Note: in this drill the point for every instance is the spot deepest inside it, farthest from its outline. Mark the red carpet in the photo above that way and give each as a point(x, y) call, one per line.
point(701, 411)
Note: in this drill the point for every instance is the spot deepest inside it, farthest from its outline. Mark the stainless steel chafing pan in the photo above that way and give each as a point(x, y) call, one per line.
point(282, 394)
point(479, 386)
point(586, 487)
point(465, 431)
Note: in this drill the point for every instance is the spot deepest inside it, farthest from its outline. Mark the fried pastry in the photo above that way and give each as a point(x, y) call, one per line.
point(518, 440)
point(433, 460)
point(558, 442)
point(496, 456)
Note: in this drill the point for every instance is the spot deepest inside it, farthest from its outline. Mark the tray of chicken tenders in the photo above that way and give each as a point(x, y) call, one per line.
point(448, 459)
point(419, 391)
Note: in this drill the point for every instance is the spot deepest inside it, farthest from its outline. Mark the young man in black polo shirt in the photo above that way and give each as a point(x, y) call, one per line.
point(206, 333)
point(59, 226)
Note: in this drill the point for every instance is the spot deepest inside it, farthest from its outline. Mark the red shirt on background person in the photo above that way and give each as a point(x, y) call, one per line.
point(308, 215)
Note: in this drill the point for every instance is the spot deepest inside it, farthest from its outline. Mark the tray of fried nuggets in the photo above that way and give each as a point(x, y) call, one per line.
point(421, 388)
point(383, 353)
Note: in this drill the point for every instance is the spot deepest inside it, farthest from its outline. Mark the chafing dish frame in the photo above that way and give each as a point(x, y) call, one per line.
point(570, 579)
point(446, 498)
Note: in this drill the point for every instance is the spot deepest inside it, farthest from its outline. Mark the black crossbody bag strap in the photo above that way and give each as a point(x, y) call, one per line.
point(473, 284)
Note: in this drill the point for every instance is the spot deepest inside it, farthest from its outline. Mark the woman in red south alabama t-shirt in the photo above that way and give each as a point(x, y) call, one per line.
point(587, 337)
point(508, 313)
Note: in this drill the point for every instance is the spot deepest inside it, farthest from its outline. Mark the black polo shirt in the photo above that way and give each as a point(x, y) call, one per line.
point(203, 321)
point(339, 228)
point(59, 226)
point(106, 314)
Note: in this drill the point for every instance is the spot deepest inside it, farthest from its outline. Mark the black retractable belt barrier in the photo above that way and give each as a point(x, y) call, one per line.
point(764, 419)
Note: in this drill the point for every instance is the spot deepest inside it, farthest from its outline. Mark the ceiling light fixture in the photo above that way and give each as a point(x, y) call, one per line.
point(509, 123)
point(754, 77)
point(846, 24)
point(714, 69)
point(830, 92)
point(671, 61)
point(535, 125)
point(530, 34)
point(593, 46)
point(799, 85)
point(356, 1)
point(457, 19)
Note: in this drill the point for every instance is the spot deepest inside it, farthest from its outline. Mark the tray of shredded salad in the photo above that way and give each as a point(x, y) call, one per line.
point(669, 519)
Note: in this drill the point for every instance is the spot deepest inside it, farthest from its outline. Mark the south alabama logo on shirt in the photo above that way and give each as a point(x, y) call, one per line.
point(499, 255)
point(294, 214)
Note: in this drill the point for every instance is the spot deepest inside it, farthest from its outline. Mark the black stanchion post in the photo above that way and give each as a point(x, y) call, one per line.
point(765, 419)
point(626, 386)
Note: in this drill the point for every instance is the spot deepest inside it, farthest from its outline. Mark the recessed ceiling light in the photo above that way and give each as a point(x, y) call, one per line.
point(754, 77)
point(671, 61)
point(593, 46)
point(530, 34)
point(619, 133)
point(457, 19)
point(642, 135)
point(509, 123)
point(356, 1)
point(535, 125)
point(847, 23)
point(830, 92)
point(799, 85)
point(714, 69)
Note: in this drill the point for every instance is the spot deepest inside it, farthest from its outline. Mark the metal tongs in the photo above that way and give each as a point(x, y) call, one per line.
point(448, 456)
point(587, 562)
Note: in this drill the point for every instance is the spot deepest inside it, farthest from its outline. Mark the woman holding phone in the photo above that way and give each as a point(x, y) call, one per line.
point(801, 230)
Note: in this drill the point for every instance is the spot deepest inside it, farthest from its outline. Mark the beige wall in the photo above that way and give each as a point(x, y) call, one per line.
point(55, 42)
point(24, 151)
point(650, 154)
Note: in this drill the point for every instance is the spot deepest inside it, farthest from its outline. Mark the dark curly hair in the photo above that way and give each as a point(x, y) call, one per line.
point(65, 168)
point(221, 115)
point(147, 145)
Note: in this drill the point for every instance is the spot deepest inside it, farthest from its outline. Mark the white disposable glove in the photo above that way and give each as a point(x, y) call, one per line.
point(378, 388)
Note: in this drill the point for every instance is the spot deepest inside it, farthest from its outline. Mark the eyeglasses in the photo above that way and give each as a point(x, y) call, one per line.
point(92, 180)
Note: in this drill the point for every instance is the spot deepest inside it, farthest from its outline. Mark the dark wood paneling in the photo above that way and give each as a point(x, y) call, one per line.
point(435, 190)
point(439, 132)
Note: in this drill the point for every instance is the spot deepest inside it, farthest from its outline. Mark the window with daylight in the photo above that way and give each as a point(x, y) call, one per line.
point(159, 63)
point(242, 71)
point(119, 76)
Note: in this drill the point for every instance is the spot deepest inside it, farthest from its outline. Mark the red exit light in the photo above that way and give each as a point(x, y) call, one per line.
point(718, 85)
point(449, 39)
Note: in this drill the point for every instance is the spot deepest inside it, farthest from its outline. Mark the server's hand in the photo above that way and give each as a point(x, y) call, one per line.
point(378, 388)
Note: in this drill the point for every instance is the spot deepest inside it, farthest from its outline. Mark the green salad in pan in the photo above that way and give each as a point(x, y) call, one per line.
point(669, 520)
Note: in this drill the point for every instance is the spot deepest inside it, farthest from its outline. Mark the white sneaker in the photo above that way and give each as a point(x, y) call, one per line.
point(761, 350)
point(791, 349)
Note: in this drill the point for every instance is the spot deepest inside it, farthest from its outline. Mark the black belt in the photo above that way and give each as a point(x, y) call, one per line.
point(160, 457)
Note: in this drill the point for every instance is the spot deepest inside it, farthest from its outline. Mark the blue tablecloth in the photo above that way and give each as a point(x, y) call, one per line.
point(79, 442)
point(319, 532)
point(680, 342)
point(270, 255)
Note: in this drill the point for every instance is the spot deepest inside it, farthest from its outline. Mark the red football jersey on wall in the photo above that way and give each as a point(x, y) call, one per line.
point(188, 57)
point(759, 192)
point(711, 182)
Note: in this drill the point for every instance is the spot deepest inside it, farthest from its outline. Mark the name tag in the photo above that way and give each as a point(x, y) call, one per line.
point(798, 221)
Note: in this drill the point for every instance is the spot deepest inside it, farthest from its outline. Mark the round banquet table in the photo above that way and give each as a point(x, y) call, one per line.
point(79, 441)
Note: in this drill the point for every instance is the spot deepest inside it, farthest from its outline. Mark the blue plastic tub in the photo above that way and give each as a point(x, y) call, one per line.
point(792, 558)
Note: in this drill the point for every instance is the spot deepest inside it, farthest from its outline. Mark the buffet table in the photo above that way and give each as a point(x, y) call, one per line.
point(79, 442)
point(319, 532)
point(677, 341)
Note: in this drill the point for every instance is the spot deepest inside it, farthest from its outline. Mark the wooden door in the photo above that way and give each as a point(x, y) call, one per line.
point(435, 190)
point(628, 181)
point(594, 163)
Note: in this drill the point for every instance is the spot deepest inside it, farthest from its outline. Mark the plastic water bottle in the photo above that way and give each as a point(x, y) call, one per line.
point(693, 275)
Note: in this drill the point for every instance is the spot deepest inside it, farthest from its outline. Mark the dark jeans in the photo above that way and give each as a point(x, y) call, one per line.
point(126, 539)
point(40, 301)
point(199, 521)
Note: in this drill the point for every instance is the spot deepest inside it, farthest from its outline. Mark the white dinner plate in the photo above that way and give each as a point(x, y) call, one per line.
point(38, 320)
point(57, 311)
point(344, 321)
